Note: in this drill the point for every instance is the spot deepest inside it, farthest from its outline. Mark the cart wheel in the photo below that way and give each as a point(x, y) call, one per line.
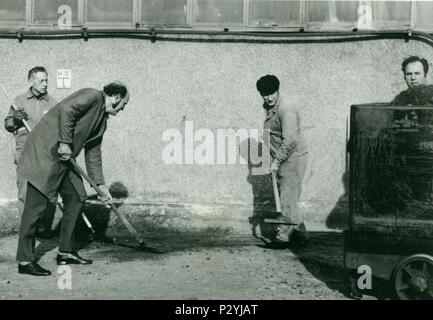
point(413, 278)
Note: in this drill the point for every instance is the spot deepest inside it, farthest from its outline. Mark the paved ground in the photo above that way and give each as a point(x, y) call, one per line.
point(210, 264)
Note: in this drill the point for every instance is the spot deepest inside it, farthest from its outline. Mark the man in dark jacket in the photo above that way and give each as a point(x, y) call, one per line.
point(78, 122)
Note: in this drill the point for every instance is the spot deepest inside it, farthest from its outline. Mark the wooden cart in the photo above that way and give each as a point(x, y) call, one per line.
point(391, 196)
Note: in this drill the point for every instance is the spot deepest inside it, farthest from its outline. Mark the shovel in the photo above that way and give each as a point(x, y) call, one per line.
point(141, 245)
point(282, 219)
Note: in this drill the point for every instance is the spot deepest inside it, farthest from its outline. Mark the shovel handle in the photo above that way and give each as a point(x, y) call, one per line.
point(102, 194)
point(276, 192)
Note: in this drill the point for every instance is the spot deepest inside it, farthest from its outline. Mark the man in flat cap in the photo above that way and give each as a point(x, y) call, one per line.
point(78, 122)
point(289, 154)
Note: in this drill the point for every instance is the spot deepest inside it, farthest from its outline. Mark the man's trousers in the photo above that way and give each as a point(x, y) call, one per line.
point(34, 208)
point(46, 221)
point(290, 176)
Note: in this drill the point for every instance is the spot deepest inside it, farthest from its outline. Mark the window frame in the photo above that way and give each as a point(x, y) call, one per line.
point(330, 26)
point(190, 24)
point(301, 24)
point(392, 24)
point(414, 20)
point(216, 25)
point(142, 24)
point(31, 16)
point(18, 23)
point(126, 25)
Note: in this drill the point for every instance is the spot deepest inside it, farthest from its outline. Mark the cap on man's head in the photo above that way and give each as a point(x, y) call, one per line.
point(268, 84)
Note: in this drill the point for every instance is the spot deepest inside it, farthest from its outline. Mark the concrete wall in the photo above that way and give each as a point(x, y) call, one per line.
point(213, 85)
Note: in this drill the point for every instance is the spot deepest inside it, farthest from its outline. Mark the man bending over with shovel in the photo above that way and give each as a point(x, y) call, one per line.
point(289, 158)
point(78, 122)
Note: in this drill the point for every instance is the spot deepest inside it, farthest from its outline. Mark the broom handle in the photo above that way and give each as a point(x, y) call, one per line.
point(276, 193)
point(26, 125)
point(102, 194)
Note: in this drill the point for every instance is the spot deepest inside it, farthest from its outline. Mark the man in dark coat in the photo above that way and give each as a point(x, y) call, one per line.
point(78, 122)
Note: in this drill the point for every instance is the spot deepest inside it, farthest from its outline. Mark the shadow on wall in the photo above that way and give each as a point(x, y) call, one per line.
point(323, 255)
point(263, 197)
point(338, 218)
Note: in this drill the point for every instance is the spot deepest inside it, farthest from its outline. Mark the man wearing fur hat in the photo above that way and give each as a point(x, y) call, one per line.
point(289, 153)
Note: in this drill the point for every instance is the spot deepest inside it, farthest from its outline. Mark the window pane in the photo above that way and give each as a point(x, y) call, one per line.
point(109, 10)
point(45, 11)
point(270, 13)
point(424, 11)
point(164, 11)
point(332, 11)
point(347, 11)
point(12, 10)
point(391, 10)
point(219, 11)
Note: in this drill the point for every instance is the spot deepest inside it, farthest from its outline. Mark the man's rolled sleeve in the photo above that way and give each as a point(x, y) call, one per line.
point(93, 160)
point(288, 121)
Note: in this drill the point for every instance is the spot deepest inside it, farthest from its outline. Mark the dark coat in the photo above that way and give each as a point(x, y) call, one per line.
point(79, 120)
point(415, 96)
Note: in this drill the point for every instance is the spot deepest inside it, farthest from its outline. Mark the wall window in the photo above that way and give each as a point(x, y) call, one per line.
point(13, 10)
point(275, 15)
point(271, 13)
point(109, 11)
point(391, 11)
point(165, 12)
point(332, 12)
point(424, 10)
point(220, 12)
point(47, 11)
